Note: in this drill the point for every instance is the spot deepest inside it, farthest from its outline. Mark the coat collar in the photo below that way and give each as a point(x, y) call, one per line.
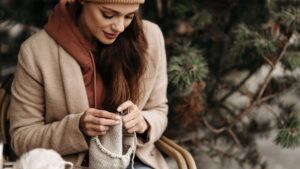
point(73, 84)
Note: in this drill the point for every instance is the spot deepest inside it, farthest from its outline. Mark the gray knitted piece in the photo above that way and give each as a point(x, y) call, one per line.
point(112, 151)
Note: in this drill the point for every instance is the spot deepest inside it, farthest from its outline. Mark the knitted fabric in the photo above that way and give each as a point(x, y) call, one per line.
point(112, 150)
point(118, 1)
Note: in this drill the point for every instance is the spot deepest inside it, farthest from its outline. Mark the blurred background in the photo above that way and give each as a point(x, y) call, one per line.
point(233, 68)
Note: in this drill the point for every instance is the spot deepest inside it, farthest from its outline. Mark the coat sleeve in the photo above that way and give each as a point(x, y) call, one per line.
point(27, 113)
point(156, 108)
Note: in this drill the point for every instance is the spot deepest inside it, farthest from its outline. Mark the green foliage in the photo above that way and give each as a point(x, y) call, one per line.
point(181, 9)
point(279, 5)
point(290, 18)
point(197, 18)
point(291, 60)
point(236, 35)
point(254, 12)
point(201, 19)
point(187, 66)
point(289, 134)
point(250, 47)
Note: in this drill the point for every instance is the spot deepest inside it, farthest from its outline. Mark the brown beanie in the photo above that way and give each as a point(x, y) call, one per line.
point(118, 1)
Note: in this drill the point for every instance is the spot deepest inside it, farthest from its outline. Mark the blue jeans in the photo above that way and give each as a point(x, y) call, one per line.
point(138, 165)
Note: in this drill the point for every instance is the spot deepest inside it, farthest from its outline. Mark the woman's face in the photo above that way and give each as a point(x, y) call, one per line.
point(105, 22)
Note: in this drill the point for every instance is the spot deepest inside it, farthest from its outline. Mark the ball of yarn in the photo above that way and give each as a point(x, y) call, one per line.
point(42, 159)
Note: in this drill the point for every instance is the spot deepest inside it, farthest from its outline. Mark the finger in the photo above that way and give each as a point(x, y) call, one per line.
point(130, 123)
point(125, 106)
point(88, 118)
point(106, 114)
point(131, 115)
point(94, 133)
point(97, 128)
point(102, 133)
point(133, 129)
point(103, 121)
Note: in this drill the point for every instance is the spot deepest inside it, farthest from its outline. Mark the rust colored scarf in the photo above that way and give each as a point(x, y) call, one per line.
point(62, 28)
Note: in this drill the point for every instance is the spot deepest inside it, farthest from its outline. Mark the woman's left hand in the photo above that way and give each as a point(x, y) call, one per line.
point(133, 121)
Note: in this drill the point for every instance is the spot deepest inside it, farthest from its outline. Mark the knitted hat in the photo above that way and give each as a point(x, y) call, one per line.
point(118, 1)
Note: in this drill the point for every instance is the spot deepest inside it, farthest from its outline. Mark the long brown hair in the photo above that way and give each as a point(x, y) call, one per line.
point(122, 64)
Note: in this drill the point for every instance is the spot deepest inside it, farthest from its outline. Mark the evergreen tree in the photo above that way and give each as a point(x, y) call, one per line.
point(215, 50)
point(231, 37)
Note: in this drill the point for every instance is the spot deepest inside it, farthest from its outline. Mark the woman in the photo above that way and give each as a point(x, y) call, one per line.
point(94, 58)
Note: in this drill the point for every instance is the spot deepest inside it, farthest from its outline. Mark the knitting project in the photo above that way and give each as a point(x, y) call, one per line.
point(112, 150)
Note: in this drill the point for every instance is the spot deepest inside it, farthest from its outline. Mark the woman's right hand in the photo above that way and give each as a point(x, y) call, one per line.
point(96, 122)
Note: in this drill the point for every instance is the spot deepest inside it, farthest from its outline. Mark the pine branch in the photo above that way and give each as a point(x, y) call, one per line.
point(181, 9)
point(251, 43)
point(268, 78)
point(289, 135)
point(187, 66)
point(278, 5)
point(201, 19)
point(291, 18)
point(292, 60)
point(197, 18)
point(258, 100)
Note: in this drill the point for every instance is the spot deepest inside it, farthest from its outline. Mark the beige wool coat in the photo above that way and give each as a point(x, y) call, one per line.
point(49, 96)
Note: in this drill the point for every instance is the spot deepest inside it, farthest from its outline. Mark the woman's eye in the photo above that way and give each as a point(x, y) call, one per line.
point(107, 16)
point(130, 17)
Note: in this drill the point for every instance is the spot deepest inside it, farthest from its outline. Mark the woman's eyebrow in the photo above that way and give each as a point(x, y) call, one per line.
point(117, 12)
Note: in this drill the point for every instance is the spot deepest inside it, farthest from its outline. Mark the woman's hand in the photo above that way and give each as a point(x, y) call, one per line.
point(96, 122)
point(133, 121)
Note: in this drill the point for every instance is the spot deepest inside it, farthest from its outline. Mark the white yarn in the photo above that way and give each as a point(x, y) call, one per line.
point(42, 159)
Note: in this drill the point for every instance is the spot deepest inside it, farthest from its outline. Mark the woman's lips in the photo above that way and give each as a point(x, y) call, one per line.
point(110, 35)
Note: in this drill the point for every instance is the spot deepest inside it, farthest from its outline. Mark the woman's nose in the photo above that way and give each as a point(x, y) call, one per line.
point(119, 26)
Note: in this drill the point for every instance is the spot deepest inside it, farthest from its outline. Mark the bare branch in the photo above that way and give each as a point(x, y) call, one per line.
point(234, 89)
point(269, 76)
point(269, 62)
point(217, 131)
point(233, 135)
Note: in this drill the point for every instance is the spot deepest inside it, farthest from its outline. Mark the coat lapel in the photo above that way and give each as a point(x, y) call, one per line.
point(73, 84)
